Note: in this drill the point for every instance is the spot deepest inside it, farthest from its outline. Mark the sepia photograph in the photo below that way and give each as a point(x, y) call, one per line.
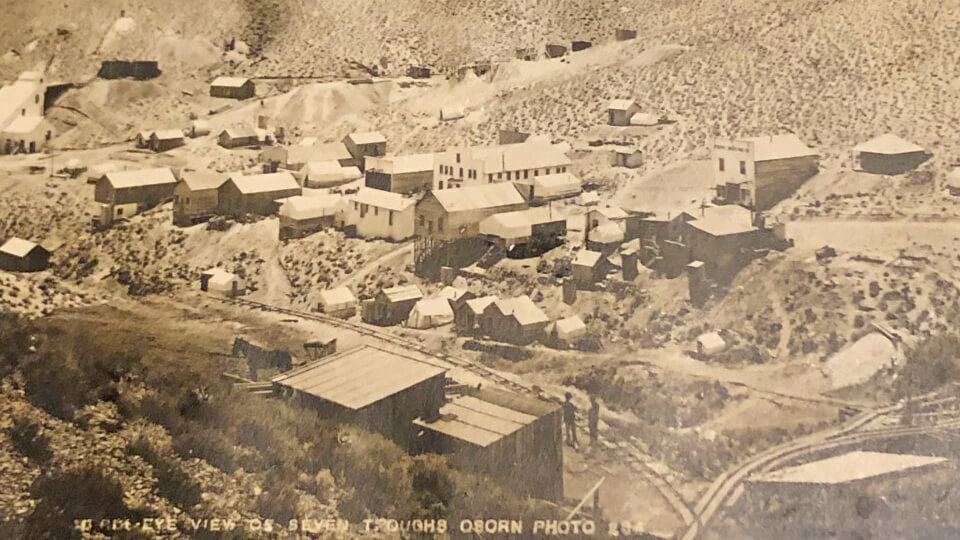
point(480, 269)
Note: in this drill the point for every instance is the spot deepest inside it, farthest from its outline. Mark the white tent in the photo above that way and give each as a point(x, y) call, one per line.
point(222, 282)
point(644, 119)
point(571, 329)
point(710, 343)
point(451, 112)
point(337, 300)
point(430, 313)
point(607, 233)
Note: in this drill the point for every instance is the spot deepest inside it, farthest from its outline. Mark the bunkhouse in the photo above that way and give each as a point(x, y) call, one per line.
point(327, 174)
point(460, 167)
point(889, 155)
point(406, 174)
point(391, 305)
point(364, 144)
point(166, 139)
point(589, 268)
point(372, 388)
point(303, 215)
point(372, 213)
point(619, 112)
point(514, 320)
point(338, 302)
point(630, 158)
point(238, 137)
point(466, 315)
point(19, 255)
point(430, 313)
point(23, 129)
point(537, 229)
point(196, 196)
point(223, 283)
point(256, 194)
point(122, 194)
point(232, 88)
point(453, 214)
point(549, 187)
point(759, 172)
point(513, 438)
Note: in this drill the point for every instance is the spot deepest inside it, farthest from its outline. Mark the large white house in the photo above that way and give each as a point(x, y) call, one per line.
point(22, 126)
point(465, 166)
point(380, 214)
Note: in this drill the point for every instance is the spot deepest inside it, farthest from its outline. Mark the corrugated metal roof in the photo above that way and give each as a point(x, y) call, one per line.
point(771, 147)
point(232, 82)
point(311, 207)
point(401, 164)
point(201, 180)
point(402, 293)
point(359, 377)
point(478, 197)
point(888, 143)
point(849, 467)
point(476, 421)
point(367, 137)
point(262, 183)
point(142, 177)
point(18, 247)
point(382, 199)
point(724, 220)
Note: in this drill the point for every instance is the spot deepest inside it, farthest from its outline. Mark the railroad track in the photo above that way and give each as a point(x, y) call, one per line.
point(725, 488)
point(622, 444)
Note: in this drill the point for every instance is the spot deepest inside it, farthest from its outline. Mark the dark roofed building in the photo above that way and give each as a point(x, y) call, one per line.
point(232, 88)
point(256, 194)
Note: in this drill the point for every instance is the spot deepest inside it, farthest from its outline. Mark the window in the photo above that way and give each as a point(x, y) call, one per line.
point(423, 220)
point(525, 174)
point(722, 165)
point(119, 211)
point(490, 178)
point(461, 172)
point(390, 217)
point(743, 167)
point(441, 184)
point(508, 175)
point(23, 112)
point(36, 98)
point(458, 157)
point(536, 172)
point(376, 211)
point(564, 169)
point(430, 226)
point(440, 224)
point(499, 175)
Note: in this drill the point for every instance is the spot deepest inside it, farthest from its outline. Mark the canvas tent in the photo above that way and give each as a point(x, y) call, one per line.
point(710, 343)
point(339, 302)
point(430, 313)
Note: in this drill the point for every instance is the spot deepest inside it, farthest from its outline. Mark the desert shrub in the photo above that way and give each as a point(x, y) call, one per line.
point(59, 504)
point(324, 485)
point(28, 438)
point(210, 445)
point(60, 389)
point(14, 342)
point(172, 483)
point(930, 365)
point(162, 411)
point(278, 500)
point(376, 470)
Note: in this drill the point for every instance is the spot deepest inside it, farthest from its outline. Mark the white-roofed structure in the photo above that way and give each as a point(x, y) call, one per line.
point(710, 343)
point(338, 302)
point(301, 215)
point(232, 88)
point(256, 194)
point(391, 305)
point(549, 187)
point(199, 128)
point(620, 111)
point(570, 329)
point(122, 194)
point(644, 119)
point(327, 174)
point(588, 267)
point(524, 226)
point(19, 255)
point(221, 282)
point(464, 166)
point(400, 174)
point(196, 196)
point(605, 238)
point(430, 313)
point(888, 154)
point(759, 172)
point(237, 137)
point(467, 314)
point(515, 320)
point(162, 140)
point(451, 112)
point(365, 144)
point(374, 213)
point(22, 125)
point(452, 214)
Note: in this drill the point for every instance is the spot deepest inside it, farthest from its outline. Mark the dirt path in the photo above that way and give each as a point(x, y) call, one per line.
point(399, 253)
point(786, 330)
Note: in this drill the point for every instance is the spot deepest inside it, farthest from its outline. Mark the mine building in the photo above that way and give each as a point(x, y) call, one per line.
point(196, 196)
point(373, 213)
point(465, 166)
point(166, 139)
point(122, 194)
point(619, 112)
point(223, 283)
point(232, 88)
point(304, 215)
point(19, 255)
point(365, 144)
point(889, 155)
point(512, 438)
point(238, 137)
point(339, 302)
point(256, 194)
point(759, 172)
point(391, 306)
point(544, 188)
point(514, 320)
point(406, 174)
point(23, 128)
point(372, 388)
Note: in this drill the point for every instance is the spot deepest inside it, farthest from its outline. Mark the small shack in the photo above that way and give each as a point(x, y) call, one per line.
point(588, 268)
point(400, 174)
point(196, 196)
point(430, 313)
point(371, 388)
point(467, 314)
point(140, 70)
point(232, 88)
point(199, 128)
point(623, 34)
point(568, 331)
point(166, 139)
point(620, 111)
point(556, 51)
point(238, 137)
point(630, 158)
point(303, 215)
point(889, 155)
point(221, 282)
point(709, 344)
point(363, 144)
point(19, 255)
point(339, 302)
point(606, 238)
point(580, 45)
point(391, 305)
point(514, 320)
point(451, 112)
point(256, 194)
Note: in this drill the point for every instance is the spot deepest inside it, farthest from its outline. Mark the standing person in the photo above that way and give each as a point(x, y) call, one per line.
point(593, 419)
point(570, 419)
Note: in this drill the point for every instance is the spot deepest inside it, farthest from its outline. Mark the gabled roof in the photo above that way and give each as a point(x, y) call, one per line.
point(382, 199)
point(311, 207)
point(771, 147)
point(142, 177)
point(724, 220)
point(367, 137)
point(340, 295)
point(570, 326)
point(621, 104)
point(478, 197)
point(527, 155)
point(477, 421)
point(477, 305)
point(402, 293)
point(202, 180)
point(244, 132)
point(334, 151)
point(889, 144)
point(401, 164)
point(587, 258)
point(846, 468)
point(233, 82)
point(519, 223)
point(522, 309)
point(434, 306)
point(262, 183)
point(611, 212)
point(359, 377)
point(18, 247)
point(452, 293)
point(167, 134)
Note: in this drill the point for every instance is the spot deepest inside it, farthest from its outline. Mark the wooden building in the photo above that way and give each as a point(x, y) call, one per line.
point(140, 70)
point(952, 182)
point(549, 187)
point(419, 72)
point(589, 268)
point(467, 314)
point(619, 112)
point(465, 166)
point(630, 158)
point(723, 237)
point(888, 154)
point(339, 302)
point(166, 139)
point(371, 388)
point(554, 50)
point(580, 45)
point(364, 144)
point(232, 88)
point(256, 194)
point(18, 255)
point(541, 226)
point(400, 174)
point(23, 129)
point(372, 213)
point(196, 196)
point(122, 194)
point(238, 137)
point(391, 306)
point(624, 34)
point(759, 172)
point(514, 439)
point(453, 214)
point(304, 215)
point(295, 157)
point(513, 320)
